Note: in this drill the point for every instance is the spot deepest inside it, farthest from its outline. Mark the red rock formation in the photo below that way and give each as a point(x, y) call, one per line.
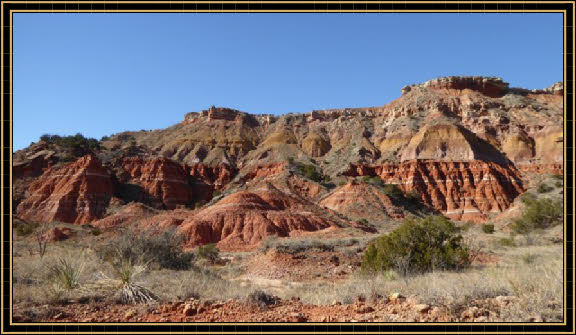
point(244, 218)
point(75, 193)
point(162, 179)
point(374, 205)
point(58, 234)
point(258, 172)
point(218, 175)
point(461, 190)
point(489, 86)
point(541, 168)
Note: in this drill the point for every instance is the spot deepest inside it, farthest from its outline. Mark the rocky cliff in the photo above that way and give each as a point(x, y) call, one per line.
point(464, 146)
point(77, 193)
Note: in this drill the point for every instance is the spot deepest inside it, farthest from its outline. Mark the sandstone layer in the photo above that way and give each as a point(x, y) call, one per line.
point(464, 146)
point(76, 193)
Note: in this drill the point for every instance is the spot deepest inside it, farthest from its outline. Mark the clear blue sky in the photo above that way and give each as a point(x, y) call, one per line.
point(99, 74)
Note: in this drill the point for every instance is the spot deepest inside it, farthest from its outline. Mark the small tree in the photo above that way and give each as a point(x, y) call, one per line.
point(418, 246)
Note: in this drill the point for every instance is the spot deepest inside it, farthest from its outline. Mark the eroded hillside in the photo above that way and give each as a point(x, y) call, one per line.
point(462, 146)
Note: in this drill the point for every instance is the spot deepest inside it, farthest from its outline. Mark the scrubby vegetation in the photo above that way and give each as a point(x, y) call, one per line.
point(488, 228)
point(539, 214)
point(261, 299)
point(161, 248)
point(418, 246)
point(544, 188)
point(209, 252)
point(293, 246)
point(309, 171)
point(76, 145)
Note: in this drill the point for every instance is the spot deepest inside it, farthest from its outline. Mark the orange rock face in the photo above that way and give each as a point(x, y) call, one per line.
point(75, 193)
point(244, 218)
point(218, 175)
point(374, 204)
point(461, 190)
point(542, 168)
point(162, 179)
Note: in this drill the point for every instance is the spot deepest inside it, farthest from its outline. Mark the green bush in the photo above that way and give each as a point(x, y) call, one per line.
point(208, 252)
point(543, 188)
point(309, 171)
point(26, 228)
point(539, 214)
point(151, 246)
point(96, 232)
point(77, 145)
point(392, 191)
point(488, 228)
point(418, 246)
point(376, 181)
point(506, 242)
point(559, 184)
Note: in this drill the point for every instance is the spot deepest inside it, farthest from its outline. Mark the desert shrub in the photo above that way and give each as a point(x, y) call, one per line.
point(293, 246)
point(529, 258)
point(543, 188)
point(25, 228)
point(77, 145)
point(65, 273)
point(559, 184)
point(309, 171)
point(558, 177)
point(539, 214)
point(95, 232)
point(121, 284)
point(506, 242)
point(104, 138)
point(216, 193)
point(159, 248)
point(376, 180)
point(392, 191)
point(417, 246)
point(290, 160)
point(208, 252)
point(261, 299)
point(363, 222)
point(488, 228)
point(466, 225)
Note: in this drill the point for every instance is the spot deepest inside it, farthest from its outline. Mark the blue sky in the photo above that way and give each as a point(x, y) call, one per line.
point(99, 73)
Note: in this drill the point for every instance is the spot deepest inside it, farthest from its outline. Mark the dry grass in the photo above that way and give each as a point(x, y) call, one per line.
point(537, 284)
point(533, 272)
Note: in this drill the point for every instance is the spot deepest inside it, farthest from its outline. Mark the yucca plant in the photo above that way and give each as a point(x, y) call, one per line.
point(64, 277)
point(122, 282)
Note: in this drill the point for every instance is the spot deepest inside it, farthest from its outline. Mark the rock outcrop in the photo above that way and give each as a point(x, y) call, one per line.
point(78, 192)
point(465, 146)
point(461, 190)
point(489, 86)
point(362, 201)
point(163, 181)
point(245, 218)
